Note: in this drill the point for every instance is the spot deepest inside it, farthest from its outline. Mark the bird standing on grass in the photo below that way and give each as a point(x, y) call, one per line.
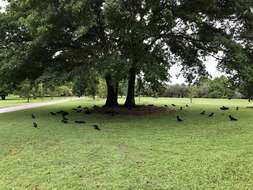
point(232, 118)
point(64, 118)
point(179, 119)
point(203, 113)
point(60, 112)
point(237, 108)
point(223, 108)
point(80, 122)
point(173, 105)
point(64, 121)
point(53, 114)
point(87, 111)
point(211, 114)
point(64, 113)
point(96, 127)
point(35, 125)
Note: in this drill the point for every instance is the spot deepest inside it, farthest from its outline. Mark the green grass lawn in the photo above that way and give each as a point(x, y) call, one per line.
point(152, 152)
point(15, 100)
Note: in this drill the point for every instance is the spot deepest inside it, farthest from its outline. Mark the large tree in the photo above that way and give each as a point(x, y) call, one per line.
point(238, 58)
point(118, 38)
point(155, 34)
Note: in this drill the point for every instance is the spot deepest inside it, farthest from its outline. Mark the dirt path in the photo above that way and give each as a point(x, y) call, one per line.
point(35, 105)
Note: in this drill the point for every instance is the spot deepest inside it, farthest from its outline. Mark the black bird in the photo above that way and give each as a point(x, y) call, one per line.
point(80, 122)
point(165, 105)
point(187, 105)
point(53, 114)
point(35, 125)
point(64, 113)
point(232, 118)
point(203, 113)
point(87, 111)
point(79, 107)
point(74, 109)
point(211, 115)
point(95, 107)
point(151, 105)
point(60, 112)
point(96, 127)
point(111, 112)
point(173, 105)
point(179, 119)
point(64, 121)
point(224, 108)
point(64, 117)
point(237, 108)
point(181, 108)
point(33, 116)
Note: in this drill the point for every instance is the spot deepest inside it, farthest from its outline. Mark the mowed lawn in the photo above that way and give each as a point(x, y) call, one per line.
point(15, 100)
point(150, 152)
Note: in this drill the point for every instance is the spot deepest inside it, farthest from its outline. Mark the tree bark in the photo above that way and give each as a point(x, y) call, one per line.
point(130, 100)
point(112, 92)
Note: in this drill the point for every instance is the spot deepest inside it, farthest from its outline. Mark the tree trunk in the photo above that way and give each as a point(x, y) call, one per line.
point(130, 100)
point(3, 97)
point(112, 92)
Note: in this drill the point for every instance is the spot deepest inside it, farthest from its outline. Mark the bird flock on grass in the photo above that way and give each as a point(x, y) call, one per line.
point(79, 109)
point(223, 108)
point(64, 116)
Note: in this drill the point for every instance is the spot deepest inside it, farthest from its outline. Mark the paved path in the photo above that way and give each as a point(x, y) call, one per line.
point(35, 105)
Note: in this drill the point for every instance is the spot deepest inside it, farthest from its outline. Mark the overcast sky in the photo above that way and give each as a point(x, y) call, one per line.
point(2, 3)
point(211, 65)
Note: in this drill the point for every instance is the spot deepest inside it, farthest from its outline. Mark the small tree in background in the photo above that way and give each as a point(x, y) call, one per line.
point(40, 90)
point(64, 90)
point(123, 88)
point(79, 86)
point(25, 89)
point(139, 87)
point(5, 89)
point(92, 88)
point(102, 89)
point(192, 92)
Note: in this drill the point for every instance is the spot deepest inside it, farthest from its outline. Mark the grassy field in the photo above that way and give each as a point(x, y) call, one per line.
point(149, 152)
point(15, 100)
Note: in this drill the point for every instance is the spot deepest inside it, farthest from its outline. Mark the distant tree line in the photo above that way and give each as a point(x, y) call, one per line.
point(220, 87)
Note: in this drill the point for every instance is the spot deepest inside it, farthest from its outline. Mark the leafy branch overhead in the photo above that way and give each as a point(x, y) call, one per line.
point(121, 39)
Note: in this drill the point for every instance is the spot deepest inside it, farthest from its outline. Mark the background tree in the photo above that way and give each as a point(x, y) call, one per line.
point(102, 92)
point(26, 89)
point(192, 92)
point(5, 89)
